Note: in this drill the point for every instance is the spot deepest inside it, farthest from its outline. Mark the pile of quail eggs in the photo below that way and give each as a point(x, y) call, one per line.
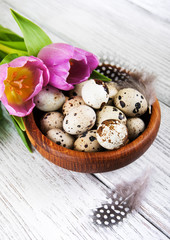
point(94, 116)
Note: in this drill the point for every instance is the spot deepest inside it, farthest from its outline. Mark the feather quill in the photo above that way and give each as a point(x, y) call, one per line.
point(121, 200)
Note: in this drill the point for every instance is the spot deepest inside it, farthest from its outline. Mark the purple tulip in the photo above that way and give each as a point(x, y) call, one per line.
point(67, 65)
point(20, 81)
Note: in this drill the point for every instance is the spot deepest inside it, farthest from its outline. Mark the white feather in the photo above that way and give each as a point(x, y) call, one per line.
point(133, 192)
point(123, 199)
point(138, 77)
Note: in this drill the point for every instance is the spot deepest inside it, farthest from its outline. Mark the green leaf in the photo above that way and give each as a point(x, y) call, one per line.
point(10, 42)
point(1, 115)
point(15, 45)
point(96, 75)
point(35, 38)
point(22, 134)
point(8, 35)
point(2, 55)
point(9, 50)
point(19, 121)
point(9, 58)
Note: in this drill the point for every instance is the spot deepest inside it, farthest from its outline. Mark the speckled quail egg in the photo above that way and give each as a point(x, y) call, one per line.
point(112, 134)
point(79, 120)
point(95, 93)
point(61, 138)
point(77, 91)
point(49, 99)
point(112, 87)
point(71, 103)
point(87, 142)
point(131, 102)
point(135, 127)
point(51, 120)
point(109, 112)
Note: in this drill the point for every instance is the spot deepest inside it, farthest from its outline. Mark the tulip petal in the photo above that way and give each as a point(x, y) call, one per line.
point(18, 62)
point(38, 81)
point(18, 110)
point(78, 72)
point(56, 53)
point(3, 75)
point(59, 82)
point(79, 55)
point(67, 65)
point(19, 84)
point(93, 62)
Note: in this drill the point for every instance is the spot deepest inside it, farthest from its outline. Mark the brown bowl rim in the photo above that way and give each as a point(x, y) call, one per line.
point(93, 161)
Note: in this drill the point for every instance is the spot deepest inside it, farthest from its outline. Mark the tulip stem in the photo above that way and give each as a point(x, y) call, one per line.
point(9, 50)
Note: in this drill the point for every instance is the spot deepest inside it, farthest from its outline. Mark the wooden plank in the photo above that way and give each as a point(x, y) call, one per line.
point(156, 206)
point(29, 180)
point(112, 26)
point(42, 201)
point(158, 8)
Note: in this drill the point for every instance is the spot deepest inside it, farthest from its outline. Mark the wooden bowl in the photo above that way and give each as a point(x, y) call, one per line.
point(94, 162)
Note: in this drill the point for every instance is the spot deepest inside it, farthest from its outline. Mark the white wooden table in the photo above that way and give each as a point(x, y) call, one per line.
point(39, 200)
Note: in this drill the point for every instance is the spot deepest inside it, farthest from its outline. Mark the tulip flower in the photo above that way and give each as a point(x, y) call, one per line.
point(67, 65)
point(20, 81)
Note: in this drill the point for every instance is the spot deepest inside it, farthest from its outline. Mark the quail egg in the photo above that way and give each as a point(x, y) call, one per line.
point(109, 112)
point(51, 120)
point(95, 93)
point(112, 89)
point(71, 103)
point(77, 91)
point(49, 99)
point(135, 127)
point(87, 142)
point(79, 120)
point(131, 102)
point(60, 137)
point(112, 134)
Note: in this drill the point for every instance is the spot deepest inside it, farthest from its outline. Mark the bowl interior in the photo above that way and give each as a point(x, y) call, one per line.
point(95, 161)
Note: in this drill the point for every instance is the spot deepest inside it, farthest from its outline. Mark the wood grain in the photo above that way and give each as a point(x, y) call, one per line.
point(160, 9)
point(155, 208)
point(39, 200)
